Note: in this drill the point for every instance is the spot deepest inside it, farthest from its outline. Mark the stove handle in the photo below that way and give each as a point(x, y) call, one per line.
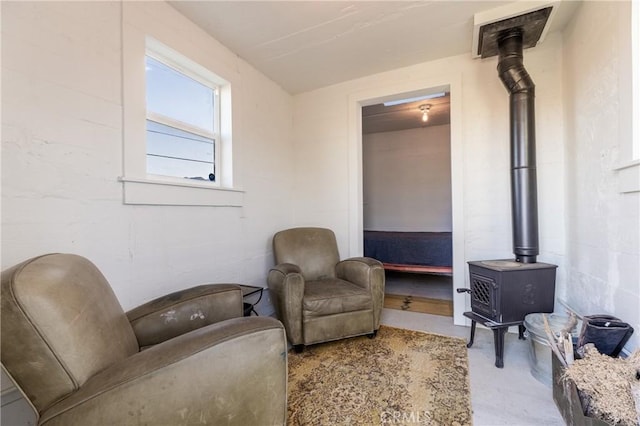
point(463, 290)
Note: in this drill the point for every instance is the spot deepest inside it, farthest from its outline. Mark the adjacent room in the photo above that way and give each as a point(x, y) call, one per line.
point(406, 187)
point(225, 212)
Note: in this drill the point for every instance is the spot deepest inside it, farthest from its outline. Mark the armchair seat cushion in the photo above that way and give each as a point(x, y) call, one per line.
point(334, 296)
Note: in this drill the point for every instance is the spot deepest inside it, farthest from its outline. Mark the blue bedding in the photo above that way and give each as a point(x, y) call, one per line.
point(409, 248)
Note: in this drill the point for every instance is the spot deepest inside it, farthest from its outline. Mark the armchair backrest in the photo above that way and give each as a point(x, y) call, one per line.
point(61, 324)
point(314, 250)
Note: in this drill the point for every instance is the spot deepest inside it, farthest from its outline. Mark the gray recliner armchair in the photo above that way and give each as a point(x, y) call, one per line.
point(318, 297)
point(77, 356)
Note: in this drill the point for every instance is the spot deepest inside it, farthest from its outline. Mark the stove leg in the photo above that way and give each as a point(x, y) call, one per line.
point(498, 341)
point(473, 334)
point(521, 330)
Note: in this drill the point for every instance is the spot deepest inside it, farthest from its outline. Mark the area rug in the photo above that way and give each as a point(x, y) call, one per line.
point(423, 305)
point(398, 377)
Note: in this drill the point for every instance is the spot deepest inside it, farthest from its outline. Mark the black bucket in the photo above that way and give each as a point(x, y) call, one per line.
point(609, 334)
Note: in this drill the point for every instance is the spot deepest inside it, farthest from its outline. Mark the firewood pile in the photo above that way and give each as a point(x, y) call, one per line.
point(609, 388)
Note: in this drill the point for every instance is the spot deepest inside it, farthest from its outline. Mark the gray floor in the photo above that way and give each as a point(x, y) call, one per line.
point(508, 396)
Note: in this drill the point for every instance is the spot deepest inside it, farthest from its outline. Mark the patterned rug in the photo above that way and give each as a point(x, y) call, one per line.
point(399, 377)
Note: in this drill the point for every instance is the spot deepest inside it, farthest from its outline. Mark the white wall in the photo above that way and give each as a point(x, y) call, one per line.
point(407, 180)
point(62, 151)
point(603, 224)
point(324, 163)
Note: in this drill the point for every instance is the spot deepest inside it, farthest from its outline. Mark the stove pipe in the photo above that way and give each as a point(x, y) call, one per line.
point(524, 204)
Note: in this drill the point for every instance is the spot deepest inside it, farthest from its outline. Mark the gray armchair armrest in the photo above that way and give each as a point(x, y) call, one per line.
point(182, 311)
point(286, 289)
point(368, 273)
point(213, 375)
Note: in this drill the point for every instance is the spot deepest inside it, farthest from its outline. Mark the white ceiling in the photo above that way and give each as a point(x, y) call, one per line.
point(305, 45)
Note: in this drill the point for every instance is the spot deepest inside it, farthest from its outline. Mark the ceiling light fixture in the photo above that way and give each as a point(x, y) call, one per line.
point(425, 112)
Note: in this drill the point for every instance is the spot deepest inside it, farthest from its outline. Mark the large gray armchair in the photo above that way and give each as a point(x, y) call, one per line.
point(77, 356)
point(318, 297)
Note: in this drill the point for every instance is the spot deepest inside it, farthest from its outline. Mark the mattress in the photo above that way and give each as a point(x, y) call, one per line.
point(409, 248)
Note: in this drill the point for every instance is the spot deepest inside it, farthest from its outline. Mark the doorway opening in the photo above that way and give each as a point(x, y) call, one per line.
point(450, 82)
point(407, 199)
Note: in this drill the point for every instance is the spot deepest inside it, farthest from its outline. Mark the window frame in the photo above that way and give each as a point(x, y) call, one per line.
point(139, 187)
point(188, 69)
point(628, 171)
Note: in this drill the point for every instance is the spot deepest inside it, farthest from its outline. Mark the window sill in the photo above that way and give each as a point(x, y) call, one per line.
point(175, 193)
point(629, 177)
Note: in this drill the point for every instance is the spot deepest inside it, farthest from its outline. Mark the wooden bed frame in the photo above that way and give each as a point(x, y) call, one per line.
point(419, 269)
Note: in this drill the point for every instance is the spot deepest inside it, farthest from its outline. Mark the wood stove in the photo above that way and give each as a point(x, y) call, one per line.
point(503, 292)
point(506, 291)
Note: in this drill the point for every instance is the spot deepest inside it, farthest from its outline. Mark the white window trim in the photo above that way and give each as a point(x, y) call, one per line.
point(147, 189)
point(169, 192)
point(635, 73)
point(628, 170)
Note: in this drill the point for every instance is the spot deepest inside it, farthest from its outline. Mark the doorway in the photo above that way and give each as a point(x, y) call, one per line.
point(357, 102)
point(406, 168)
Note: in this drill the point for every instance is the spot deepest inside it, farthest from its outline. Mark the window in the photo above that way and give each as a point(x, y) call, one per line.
point(177, 125)
point(181, 123)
